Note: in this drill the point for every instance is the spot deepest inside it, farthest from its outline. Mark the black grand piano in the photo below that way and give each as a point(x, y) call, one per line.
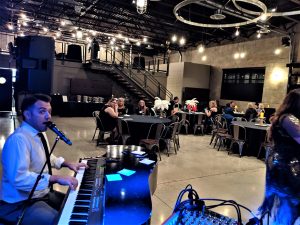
point(125, 201)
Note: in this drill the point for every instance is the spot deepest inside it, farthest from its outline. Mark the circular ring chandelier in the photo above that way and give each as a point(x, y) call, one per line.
point(257, 3)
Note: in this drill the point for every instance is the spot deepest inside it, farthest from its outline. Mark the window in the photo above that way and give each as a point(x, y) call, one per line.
point(244, 84)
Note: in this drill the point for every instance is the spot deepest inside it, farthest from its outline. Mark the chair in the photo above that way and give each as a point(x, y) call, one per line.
point(239, 119)
point(102, 131)
point(152, 112)
point(123, 132)
point(267, 145)
point(219, 126)
point(171, 136)
point(221, 135)
point(177, 135)
point(173, 118)
point(184, 123)
point(95, 115)
point(199, 124)
point(152, 143)
point(238, 136)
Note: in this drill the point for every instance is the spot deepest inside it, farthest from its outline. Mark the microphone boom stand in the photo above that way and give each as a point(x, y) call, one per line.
point(28, 200)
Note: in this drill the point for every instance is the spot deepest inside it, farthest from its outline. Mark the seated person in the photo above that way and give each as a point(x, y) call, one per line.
point(261, 108)
point(142, 109)
point(109, 115)
point(229, 111)
point(122, 109)
point(250, 112)
point(210, 113)
point(174, 106)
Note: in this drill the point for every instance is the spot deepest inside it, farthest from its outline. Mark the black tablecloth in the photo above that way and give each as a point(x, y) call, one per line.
point(192, 117)
point(255, 135)
point(139, 126)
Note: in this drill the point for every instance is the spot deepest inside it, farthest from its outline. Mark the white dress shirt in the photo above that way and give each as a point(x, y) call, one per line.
point(23, 157)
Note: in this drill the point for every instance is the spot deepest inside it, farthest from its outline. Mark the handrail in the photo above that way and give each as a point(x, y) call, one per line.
point(147, 81)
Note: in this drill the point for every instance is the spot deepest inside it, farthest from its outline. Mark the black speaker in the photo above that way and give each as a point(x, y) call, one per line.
point(139, 63)
point(35, 58)
point(5, 89)
point(74, 53)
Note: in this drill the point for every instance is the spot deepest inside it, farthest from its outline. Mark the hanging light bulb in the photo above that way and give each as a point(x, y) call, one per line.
point(201, 48)
point(145, 39)
point(182, 41)
point(258, 34)
point(138, 43)
point(10, 26)
point(174, 38)
point(141, 6)
point(237, 32)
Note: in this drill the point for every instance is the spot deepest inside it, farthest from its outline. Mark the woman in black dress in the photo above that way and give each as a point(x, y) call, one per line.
point(282, 194)
point(109, 115)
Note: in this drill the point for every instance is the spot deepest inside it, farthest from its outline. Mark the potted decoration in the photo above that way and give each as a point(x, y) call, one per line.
point(191, 105)
point(161, 105)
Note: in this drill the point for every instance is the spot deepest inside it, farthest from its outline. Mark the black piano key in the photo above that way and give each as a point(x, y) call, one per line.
point(77, 223)
point(78, 209)
point(79, 203)
point(87, 186)
point(85, 191)
point(80, 217)
point(83, 197)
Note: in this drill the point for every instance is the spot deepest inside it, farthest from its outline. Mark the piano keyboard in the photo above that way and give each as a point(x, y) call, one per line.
point(84, 206)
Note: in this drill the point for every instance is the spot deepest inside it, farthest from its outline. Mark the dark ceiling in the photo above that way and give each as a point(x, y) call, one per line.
point(113, 17)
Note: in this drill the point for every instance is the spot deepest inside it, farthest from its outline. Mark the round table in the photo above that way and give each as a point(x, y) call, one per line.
point(139, 125)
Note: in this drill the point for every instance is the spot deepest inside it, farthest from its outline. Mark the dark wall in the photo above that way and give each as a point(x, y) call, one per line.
point(5, 90)
point(101, 88)
point(201, 94)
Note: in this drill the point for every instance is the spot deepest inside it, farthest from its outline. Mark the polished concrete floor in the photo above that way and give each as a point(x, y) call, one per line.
point(212, 173)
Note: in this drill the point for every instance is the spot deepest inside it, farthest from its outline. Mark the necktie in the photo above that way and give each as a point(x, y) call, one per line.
point(46, 152)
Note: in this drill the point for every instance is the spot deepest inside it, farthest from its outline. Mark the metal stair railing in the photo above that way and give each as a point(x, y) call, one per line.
point(142, 78)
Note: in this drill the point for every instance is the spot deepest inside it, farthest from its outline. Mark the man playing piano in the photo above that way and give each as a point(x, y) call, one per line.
point(23, 157)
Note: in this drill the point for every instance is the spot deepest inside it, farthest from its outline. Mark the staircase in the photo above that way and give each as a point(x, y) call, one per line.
point(139, 83)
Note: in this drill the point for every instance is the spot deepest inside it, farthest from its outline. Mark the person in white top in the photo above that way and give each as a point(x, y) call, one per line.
point(23, 157)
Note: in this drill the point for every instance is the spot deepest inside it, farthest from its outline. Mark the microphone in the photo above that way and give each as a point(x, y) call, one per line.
point(62, 136)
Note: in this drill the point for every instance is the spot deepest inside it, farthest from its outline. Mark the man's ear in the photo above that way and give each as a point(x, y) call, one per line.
point(26, 114)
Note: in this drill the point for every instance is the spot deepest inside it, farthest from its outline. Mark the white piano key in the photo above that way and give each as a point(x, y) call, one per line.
point(67, 211)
